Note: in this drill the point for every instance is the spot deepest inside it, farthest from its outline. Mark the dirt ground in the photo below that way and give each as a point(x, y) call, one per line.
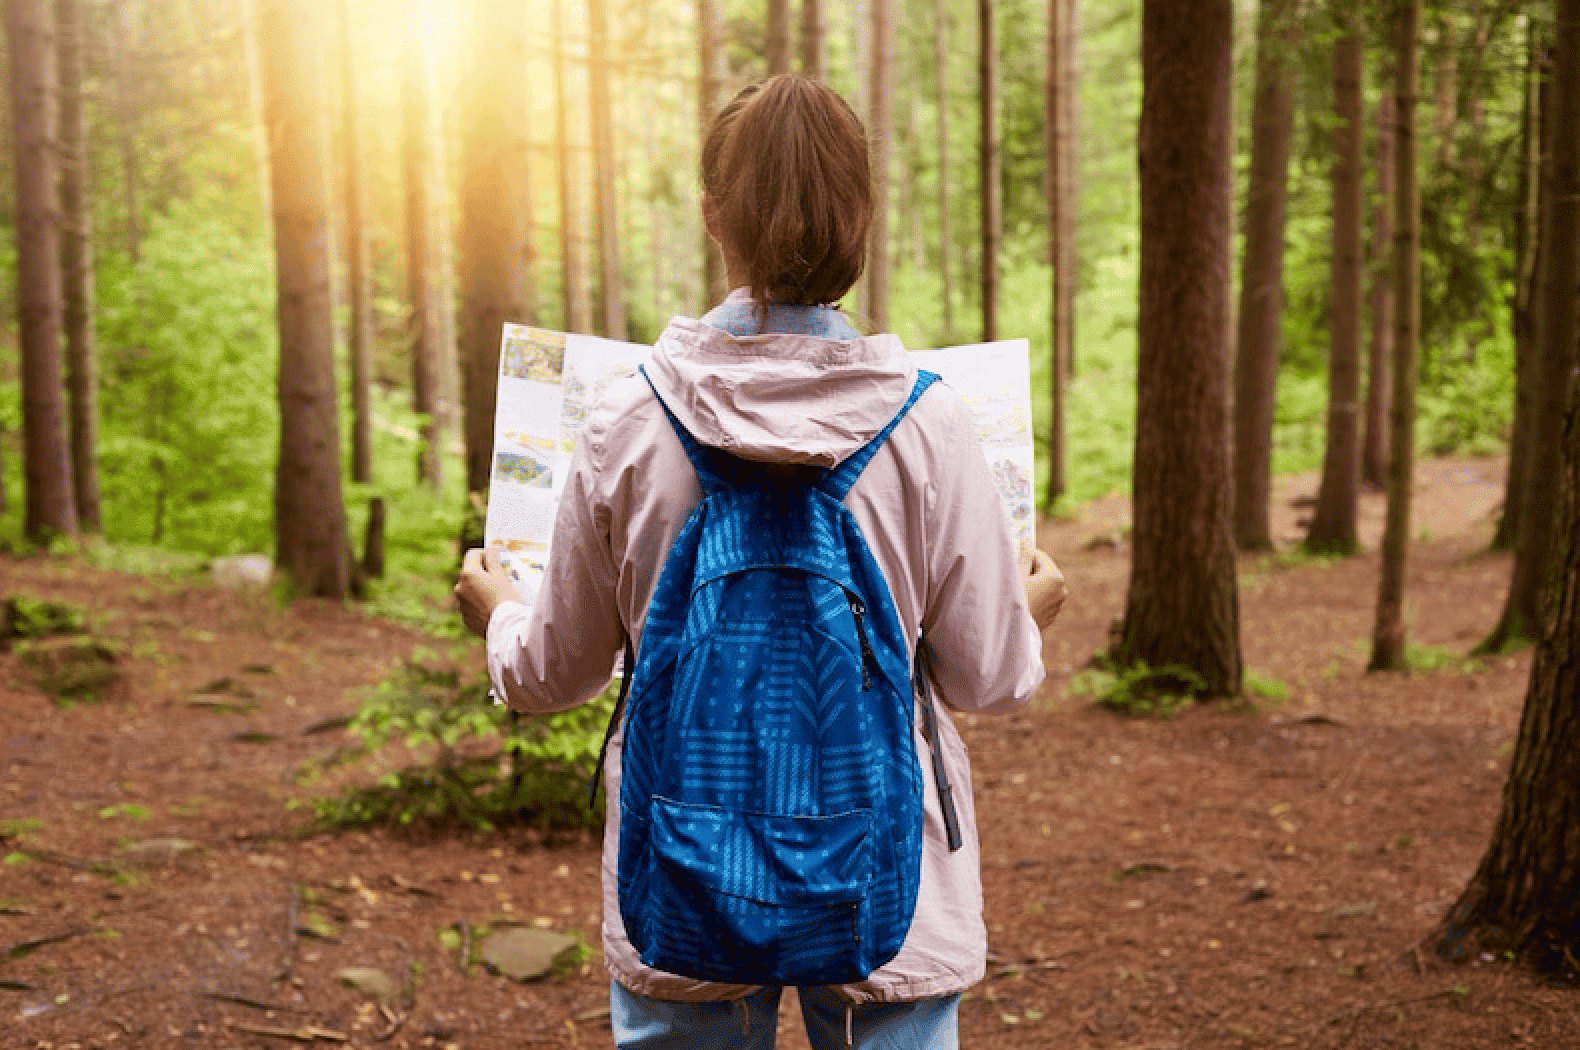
point(1216, 879)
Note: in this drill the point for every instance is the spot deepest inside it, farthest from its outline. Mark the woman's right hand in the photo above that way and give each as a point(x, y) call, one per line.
point(1045, 590)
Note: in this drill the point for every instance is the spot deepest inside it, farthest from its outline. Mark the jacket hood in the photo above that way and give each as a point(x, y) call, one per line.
point(776, 398)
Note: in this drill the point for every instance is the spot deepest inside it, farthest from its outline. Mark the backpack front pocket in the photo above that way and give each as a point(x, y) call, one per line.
point(758, 898)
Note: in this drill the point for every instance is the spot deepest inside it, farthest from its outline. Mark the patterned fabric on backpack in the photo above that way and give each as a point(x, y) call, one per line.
point(771, 799)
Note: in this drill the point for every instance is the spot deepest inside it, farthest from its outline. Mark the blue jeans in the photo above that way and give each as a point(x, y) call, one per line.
point(751, 1023)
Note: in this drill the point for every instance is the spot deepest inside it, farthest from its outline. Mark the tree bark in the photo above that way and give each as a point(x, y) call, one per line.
point(1525, 896)
point(941, 57)
point(423, 325)
point(1379, 354)
point(1388, 635)
point(1535, 134)
point(1061, 228)
point(988, 166)
point(778, 36)
point(1182, 606)
point(710, 99)
point(359, 277)
point(1333, 520)
point(814, 40)
point(1557, 326)
point(576, 302)
point(1262, 273)
point(76, 259)
point(311, 544)
point(612, 287)
point(880, 131)
point(496, 217)
point(46, 444)
point(123, 47)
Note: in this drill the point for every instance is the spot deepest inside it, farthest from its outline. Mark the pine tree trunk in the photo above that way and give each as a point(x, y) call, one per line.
point(311, 544)
point(612, 287)
point(1535, 132)
point(423, 324)
point(1388, 635)
point(1056, 169)
point(778, 36)
point(1333, 520)
point(814, 40)
point(577, 303)
point(1070, 96)
point(76, 259)
point(1182, 607)
point(496, 217)
point(46, 443)
point(988, 166)
point(941, 57)
point(359, 276)
point(1379, 353)
point(710, 99)
point(123, 47)
point(260, 134)
point(1525, 896)
point(1262, 274)
point(880, 131)
point(1557, 305)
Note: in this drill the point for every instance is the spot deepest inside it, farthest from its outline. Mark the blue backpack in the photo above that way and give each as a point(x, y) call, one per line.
point(771, 801)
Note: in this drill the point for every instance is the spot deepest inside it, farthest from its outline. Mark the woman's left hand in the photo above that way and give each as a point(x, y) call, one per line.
point(484, 583)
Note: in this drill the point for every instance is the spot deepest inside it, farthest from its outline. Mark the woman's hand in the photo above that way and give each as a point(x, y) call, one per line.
point(484, 583)
point(1045, 590)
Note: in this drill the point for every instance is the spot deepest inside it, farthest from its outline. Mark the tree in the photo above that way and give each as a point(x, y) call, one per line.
point(1525, 896)
point(423, 321)
point(941, 57)
point(880, 128)
point(612, 286)
point(359, 276)
point(76, 260)
point(123, 47)
point(1388, 635)
point(309, 512)
point(1262, 273)
point(710, 99)
point(988, 166)
point(1379, 350)
point(778, 36)
point(496, 216)
point(577, 305)
point(1058, 167)
point(814, 40)
point(1333, 520)
point(51, 508)
point(1182, 606)
point(1557, 324)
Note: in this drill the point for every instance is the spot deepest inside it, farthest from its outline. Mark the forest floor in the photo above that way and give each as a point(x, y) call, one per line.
point(1215, 879)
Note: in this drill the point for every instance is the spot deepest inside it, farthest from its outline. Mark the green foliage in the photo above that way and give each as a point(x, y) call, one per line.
point(26, 617)
point(1426, 659)
point(1140, 690)
point(477, 765)
point(1268, 687)
point(20, 828)
point(73, 670)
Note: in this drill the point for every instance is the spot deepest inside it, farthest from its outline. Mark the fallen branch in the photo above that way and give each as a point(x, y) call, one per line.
point(256, 1004)
point(21, 948)
point(305, 1034)
point(288, 962)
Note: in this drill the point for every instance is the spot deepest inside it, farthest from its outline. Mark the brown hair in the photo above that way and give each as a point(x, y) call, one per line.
point(785, 164)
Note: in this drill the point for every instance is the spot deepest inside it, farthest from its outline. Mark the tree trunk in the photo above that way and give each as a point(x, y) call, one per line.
point(1379, 354)
point(710, 99)
point(778, 36)
point(612, 287)
point(1535, 134)
point(941, 56)
point(123, 46)
point(1557, 306)
point(988, 166)
point(1525, 896)
point(260, 134)
point(1388, 635)
point(1070, 98)
point(1061, 228)
point(423, 325)
point(814, 40)
point(577, 303)
point(1262, 273)
point(1333, 520)
point(1182, 607)
point(76, 260)
point(359, 276)
point(496, 217)
point(311, 545)
point(880, 130)
point(46, 443)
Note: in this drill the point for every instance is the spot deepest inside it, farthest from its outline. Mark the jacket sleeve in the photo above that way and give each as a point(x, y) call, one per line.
point(984, 648)
point(560, 651)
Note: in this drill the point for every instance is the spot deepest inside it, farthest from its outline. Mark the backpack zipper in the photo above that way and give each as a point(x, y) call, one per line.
point(859, 610)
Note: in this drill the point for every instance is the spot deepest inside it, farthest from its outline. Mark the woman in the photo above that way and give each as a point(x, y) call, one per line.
point(776, 374)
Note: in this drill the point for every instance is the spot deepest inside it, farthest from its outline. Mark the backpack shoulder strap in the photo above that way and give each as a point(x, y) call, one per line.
point(706, 475)
point(838, 481)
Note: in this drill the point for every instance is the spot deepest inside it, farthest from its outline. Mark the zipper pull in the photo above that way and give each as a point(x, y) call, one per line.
point(859, 610)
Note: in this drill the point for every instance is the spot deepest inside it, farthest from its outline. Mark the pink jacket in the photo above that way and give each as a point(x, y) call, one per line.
point(930, 513)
